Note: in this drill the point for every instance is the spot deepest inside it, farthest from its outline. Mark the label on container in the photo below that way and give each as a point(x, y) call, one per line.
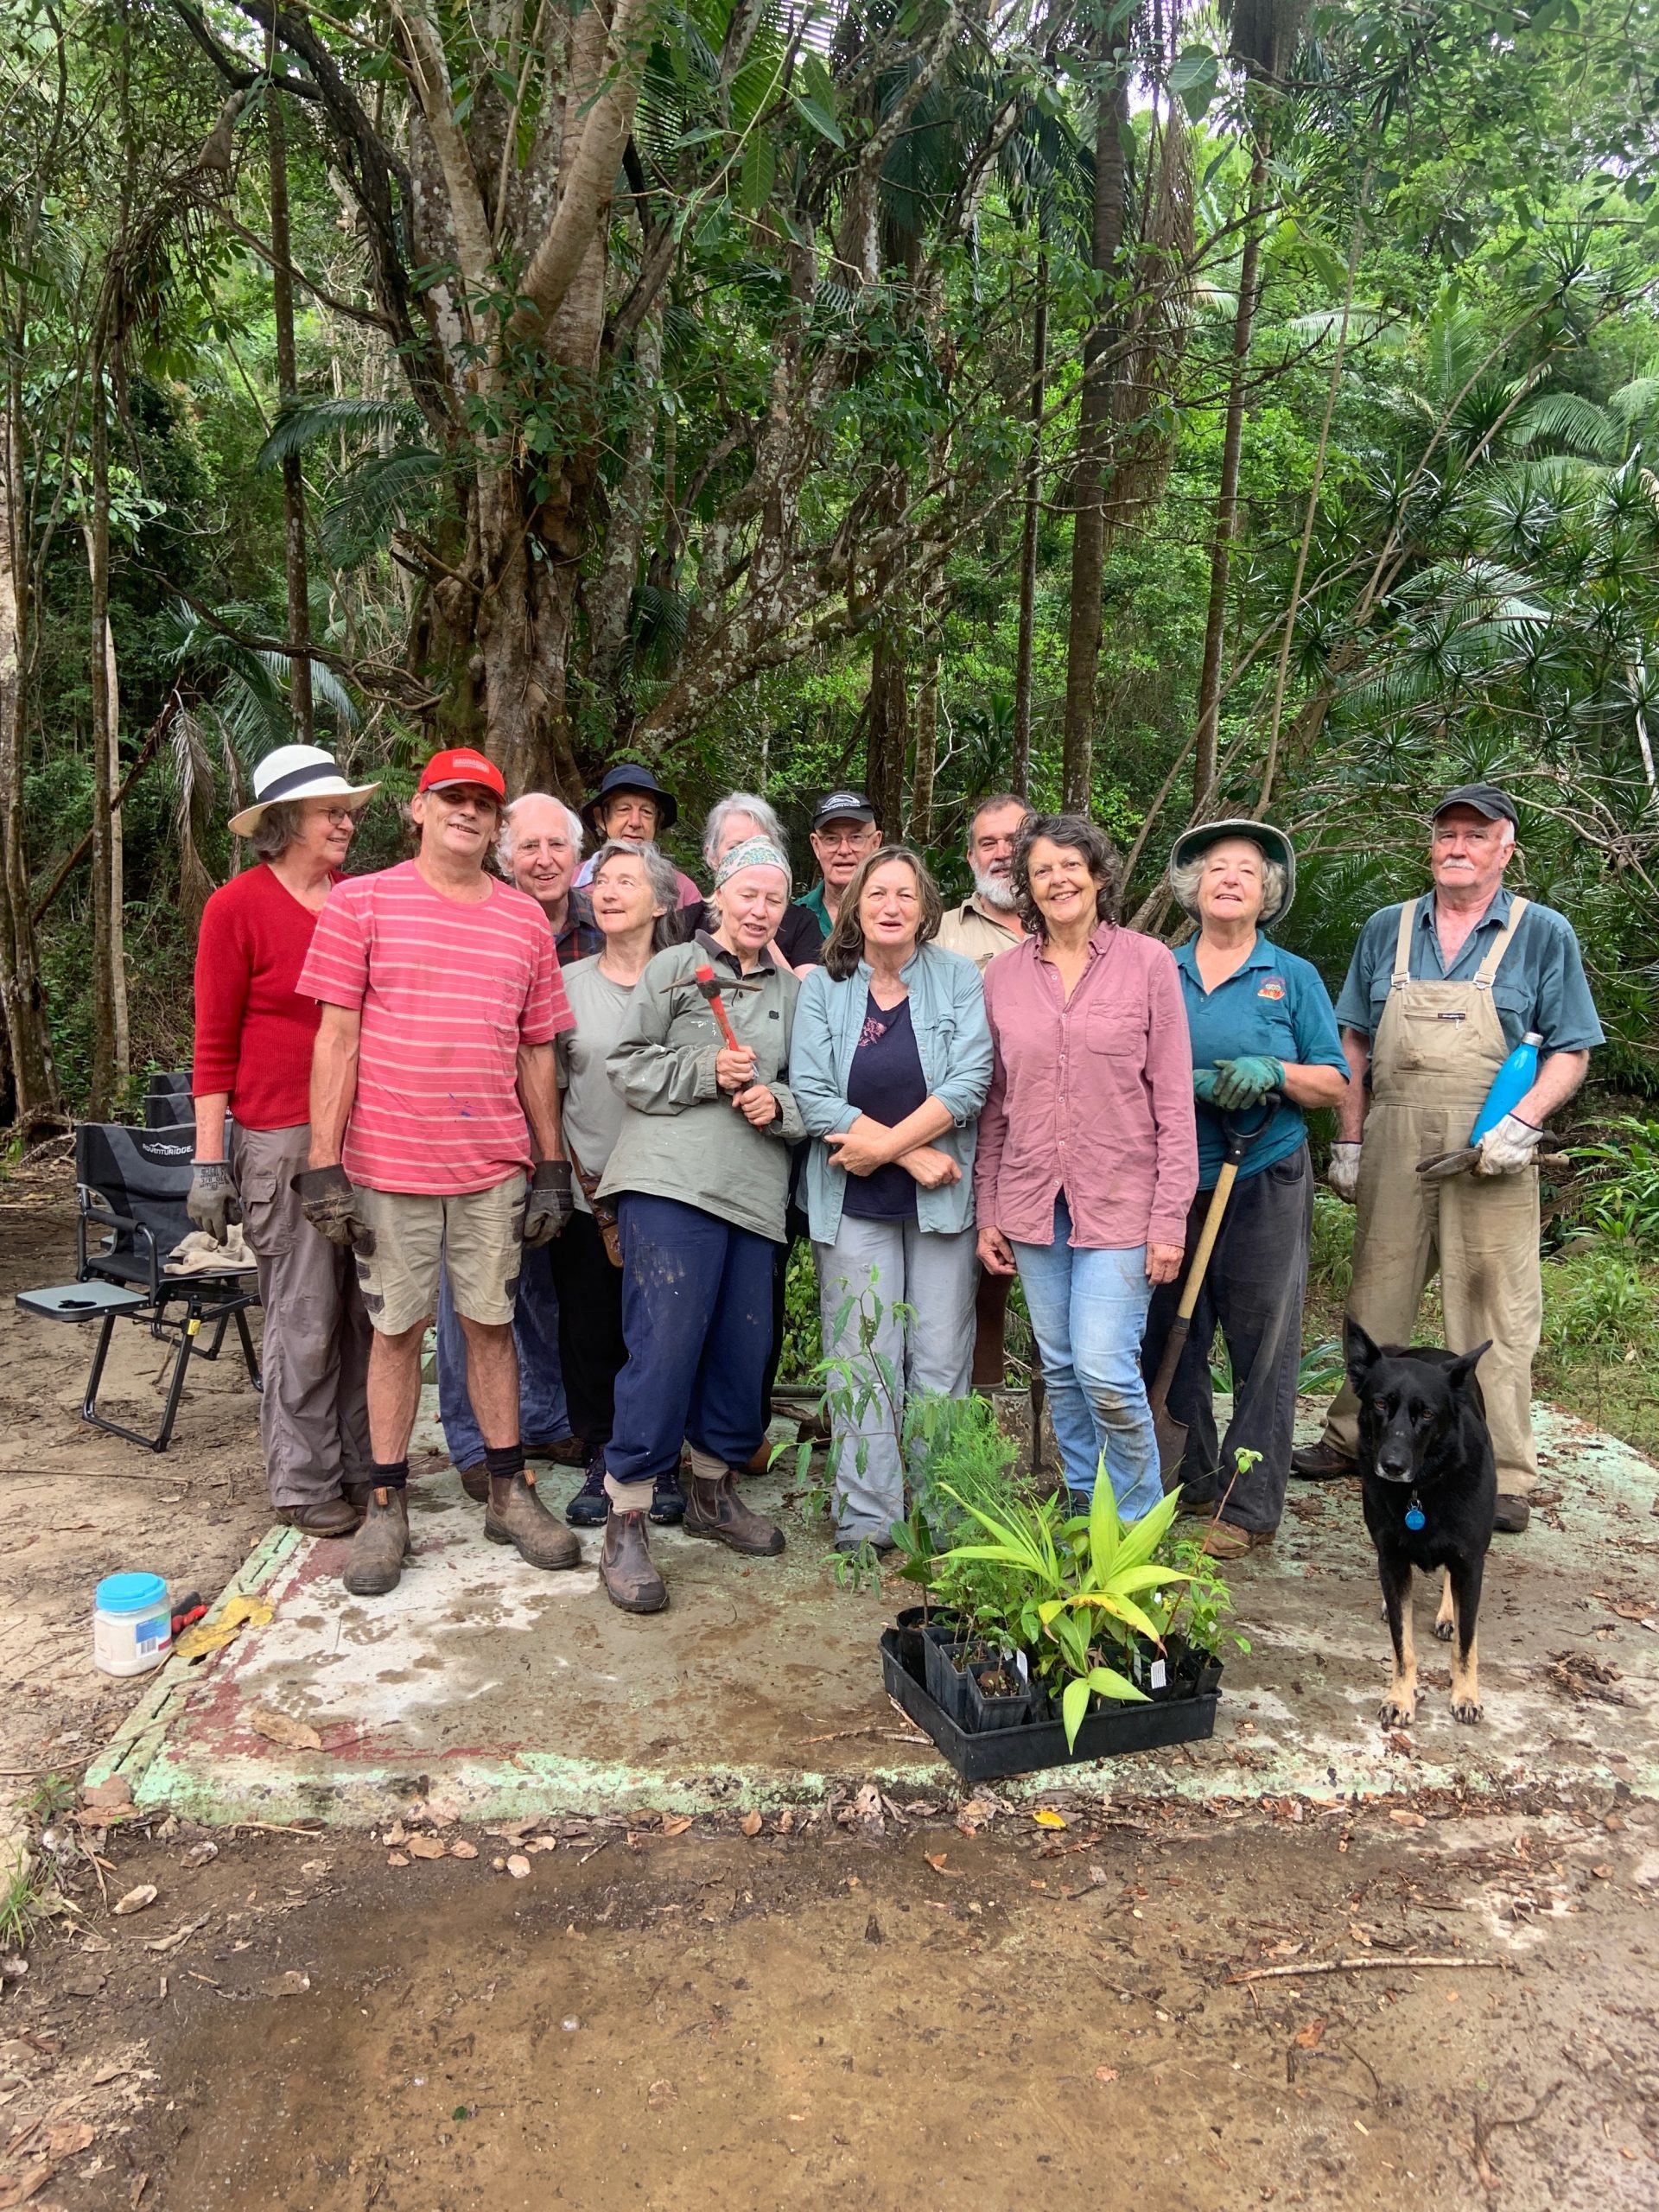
point(151, 1636)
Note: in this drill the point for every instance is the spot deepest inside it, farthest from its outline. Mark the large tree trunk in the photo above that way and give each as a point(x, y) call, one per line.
point(1094, 418)
point(109, 1074)
point(889, 732)
point(927, 750)
point(1019, 770)
point(294, 557)
point(33, 1086)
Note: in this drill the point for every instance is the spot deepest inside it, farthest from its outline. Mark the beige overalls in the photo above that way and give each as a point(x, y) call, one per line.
point(1437, 1048)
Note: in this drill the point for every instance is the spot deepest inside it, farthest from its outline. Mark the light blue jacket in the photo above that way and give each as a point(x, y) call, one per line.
point(953, 1041)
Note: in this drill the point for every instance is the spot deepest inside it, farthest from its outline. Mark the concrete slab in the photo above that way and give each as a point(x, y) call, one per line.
point(501, 1691)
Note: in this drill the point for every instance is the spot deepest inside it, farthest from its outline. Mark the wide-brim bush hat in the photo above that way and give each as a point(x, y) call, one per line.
point(629, 776)
point(298, 772)
point(1272, 842)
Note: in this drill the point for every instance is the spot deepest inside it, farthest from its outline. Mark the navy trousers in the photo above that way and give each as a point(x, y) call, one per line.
point(696, 1318)
point(1253, 1290)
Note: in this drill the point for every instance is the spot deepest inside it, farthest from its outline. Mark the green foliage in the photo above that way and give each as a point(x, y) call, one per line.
point(1622, 1201)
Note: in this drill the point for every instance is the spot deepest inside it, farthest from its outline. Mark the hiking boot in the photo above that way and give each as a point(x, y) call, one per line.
point(714, 1509)
point(562, 1450)
point(357, 1496)
point(516, 1516)
point(1199, 1497)
point(1512, 1515)
point(668, 1500)
point(475, 1481)
point(589, 1508)
point(760, 1459)
point(1321, 1462)
point(1226, 1540)
point(626, 1566)
point(376, 1558)
point(329, 1516)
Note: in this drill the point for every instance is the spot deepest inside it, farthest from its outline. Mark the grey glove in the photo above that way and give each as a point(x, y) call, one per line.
point(329, 1203)
point(213, 1202)
point(550, 1204)
point(1508, 1146)
point(1343, 1174)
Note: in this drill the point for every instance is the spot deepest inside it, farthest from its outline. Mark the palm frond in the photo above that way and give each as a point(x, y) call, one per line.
point(381, 494)
point(301, 422)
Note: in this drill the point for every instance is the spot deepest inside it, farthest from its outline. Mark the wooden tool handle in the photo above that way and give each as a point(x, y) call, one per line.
point(1196, 1273)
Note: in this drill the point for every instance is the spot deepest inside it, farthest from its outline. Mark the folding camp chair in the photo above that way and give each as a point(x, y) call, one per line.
point(167, 1101)
point(130, 1185)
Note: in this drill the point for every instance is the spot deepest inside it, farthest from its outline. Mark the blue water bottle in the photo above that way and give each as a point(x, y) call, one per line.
point(1510, 1085)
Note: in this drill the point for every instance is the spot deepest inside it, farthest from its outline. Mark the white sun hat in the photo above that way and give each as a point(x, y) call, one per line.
point(298, 772)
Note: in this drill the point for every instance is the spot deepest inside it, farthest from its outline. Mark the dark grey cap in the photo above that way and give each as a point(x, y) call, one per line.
point(1485, 798)
point(842, 806)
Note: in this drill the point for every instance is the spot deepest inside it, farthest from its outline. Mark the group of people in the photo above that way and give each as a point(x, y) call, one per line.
point(577, 1111)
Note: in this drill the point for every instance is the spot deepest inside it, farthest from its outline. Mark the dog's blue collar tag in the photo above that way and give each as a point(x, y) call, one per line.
point(1415, 1516)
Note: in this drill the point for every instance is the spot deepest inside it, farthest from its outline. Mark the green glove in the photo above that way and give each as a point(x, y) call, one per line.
point(1247, 1082)
point(1203, 1084)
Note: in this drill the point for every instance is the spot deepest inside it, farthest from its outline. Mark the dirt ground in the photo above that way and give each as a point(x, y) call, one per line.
point(918, 2020)
point(922, 2005)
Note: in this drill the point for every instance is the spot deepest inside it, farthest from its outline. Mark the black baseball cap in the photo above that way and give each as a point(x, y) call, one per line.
point(842, 806)
point(1485, 798)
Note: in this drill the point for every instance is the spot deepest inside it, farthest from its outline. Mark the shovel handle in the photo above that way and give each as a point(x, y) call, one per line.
point(1196, 1273)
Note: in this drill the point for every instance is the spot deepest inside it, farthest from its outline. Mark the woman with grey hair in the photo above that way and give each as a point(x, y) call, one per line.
point(254, 1035)
point(1265, 1044)
point(739, 816)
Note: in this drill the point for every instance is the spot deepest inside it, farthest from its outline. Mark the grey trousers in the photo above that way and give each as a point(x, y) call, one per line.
point(936, 1277)
point(313, 1411)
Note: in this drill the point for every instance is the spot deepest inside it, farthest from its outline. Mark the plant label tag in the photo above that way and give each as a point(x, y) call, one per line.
point(1024, 1665)
point(1159, 1675)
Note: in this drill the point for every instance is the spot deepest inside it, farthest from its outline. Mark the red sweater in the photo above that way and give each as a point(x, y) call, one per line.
point(254, 1032)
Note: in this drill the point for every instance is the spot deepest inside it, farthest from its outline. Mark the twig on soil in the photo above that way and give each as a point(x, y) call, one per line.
point(270, 1827)
point(604, 1844)
point(1361, 1966)
point(887, 1736)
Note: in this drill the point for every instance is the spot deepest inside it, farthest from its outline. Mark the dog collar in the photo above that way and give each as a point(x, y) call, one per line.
point(1415, 1516)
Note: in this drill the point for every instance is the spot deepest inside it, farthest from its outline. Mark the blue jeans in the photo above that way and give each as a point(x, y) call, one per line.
point(1087, 1313)
point(542, 1415)
point(696, 1314)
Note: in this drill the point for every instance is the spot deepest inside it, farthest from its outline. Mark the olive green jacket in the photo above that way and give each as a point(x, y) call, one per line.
point(682, 1137)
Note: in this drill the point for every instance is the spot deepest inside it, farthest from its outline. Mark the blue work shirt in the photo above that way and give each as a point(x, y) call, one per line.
point(1276, 1003)
point(1540, 984)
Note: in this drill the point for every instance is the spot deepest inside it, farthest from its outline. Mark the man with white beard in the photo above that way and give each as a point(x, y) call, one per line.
point(983, 926)
point(986, 923)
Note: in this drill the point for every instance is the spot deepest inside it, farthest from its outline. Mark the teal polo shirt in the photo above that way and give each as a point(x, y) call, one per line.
point(1276, 1003)
point(1540, 984)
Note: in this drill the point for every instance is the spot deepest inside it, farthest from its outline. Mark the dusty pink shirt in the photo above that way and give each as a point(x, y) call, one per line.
point(1093, 1097)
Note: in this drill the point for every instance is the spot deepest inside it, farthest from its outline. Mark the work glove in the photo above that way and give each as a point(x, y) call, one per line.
point(550, 1204)
point(1244, 1083)
point(1507, 1148)
point(1203, 1084)
point(1343, 1174)
point(329, 1203)
point(213, 1202)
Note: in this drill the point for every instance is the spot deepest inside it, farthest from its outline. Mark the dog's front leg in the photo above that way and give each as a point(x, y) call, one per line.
point(1463, 1583)
point(1445, 1621)
point(1400, 1704)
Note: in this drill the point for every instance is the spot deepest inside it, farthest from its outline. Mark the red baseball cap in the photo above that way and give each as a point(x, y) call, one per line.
point(463, 765)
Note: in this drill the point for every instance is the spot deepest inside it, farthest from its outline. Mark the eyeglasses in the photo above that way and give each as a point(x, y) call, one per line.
point(336, 816)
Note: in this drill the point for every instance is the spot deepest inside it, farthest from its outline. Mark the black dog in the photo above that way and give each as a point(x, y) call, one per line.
point(1430, 1489)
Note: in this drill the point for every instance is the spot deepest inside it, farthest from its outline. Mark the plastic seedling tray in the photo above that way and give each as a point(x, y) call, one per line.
point(1107, 1733)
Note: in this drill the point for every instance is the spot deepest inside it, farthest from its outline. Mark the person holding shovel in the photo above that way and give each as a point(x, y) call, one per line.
point(1440, 991)
point(1264, 1046)
point(699, 1173)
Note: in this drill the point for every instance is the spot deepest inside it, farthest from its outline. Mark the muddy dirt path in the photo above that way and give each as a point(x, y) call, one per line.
point(913, 2021)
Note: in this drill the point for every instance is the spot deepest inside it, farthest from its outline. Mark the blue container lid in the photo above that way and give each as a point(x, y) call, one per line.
point(130, 1593)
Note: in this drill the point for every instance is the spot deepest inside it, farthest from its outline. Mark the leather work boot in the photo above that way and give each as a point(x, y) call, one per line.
point(357, 1496)
point(589, 1508)
point(714, 1509)
point(1512, 1515)
point(1319, 1463)
point(517, 1517)
point(475, 1481)
point(626, 1566)
point(376, 1558)
point(329, 1516)
point(1226, 1540)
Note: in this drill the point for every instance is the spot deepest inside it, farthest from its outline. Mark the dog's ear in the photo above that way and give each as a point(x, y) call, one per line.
point(1464, 1366)
point(1361, 1353)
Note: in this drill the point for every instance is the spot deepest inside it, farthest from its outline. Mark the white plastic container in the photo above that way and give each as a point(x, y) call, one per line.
point(132, 1623)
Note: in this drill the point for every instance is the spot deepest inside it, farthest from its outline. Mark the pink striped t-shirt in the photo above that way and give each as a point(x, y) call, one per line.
point(447, 991)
